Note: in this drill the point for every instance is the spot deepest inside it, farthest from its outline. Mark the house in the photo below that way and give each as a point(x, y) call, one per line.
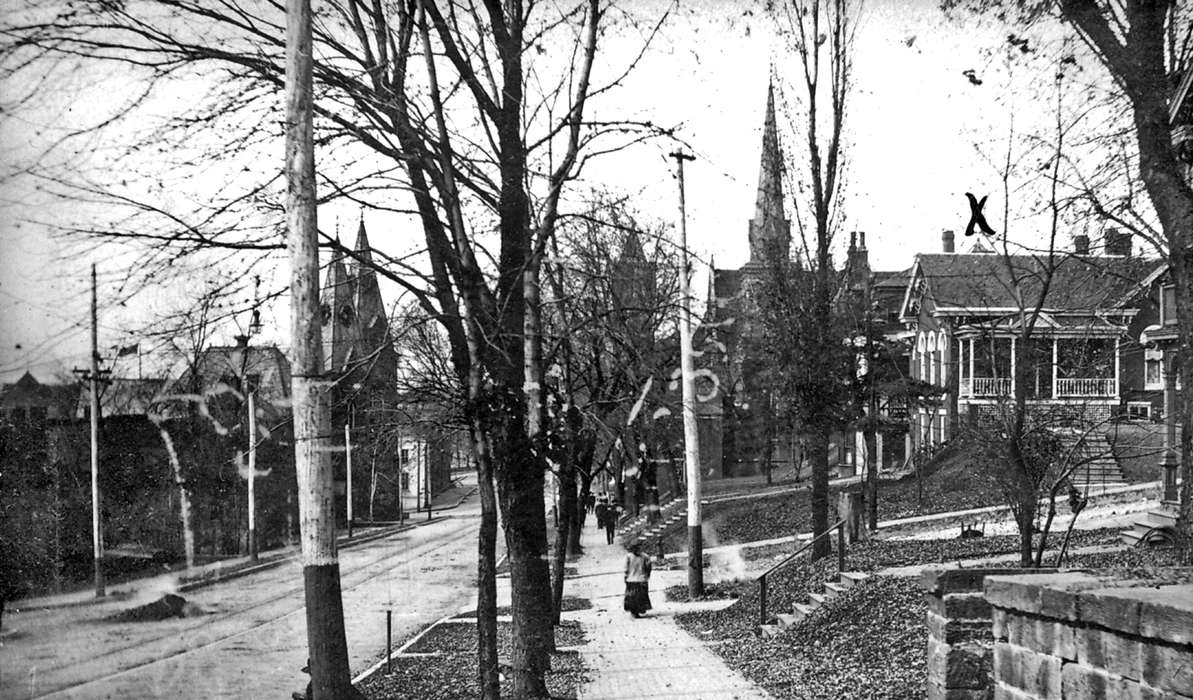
point(967, 310)
point(30, 401)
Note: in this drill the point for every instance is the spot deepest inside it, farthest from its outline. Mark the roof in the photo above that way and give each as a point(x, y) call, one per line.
point(27, 391)
point(976, 281)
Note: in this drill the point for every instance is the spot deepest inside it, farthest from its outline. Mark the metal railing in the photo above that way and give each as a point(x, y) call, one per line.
point(839, 527)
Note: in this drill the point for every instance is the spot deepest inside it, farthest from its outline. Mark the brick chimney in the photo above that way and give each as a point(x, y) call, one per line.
point(859, 258)
point(1081, 244)
point(946, 242)
point(1117, 243)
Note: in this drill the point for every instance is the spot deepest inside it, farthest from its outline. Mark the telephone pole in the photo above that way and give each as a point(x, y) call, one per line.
point(93, 376)
point(688, 373)
point(310, 389)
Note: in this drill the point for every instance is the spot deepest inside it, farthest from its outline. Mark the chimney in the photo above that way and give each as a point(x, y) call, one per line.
point(1081, 244)
point(1117, 243)
point(859, 258)
point(946, 241)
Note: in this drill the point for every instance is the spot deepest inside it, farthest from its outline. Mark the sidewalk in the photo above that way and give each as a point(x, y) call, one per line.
point(651, 657)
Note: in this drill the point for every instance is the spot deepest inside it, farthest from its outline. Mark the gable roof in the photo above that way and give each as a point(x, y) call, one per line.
point(984, 281)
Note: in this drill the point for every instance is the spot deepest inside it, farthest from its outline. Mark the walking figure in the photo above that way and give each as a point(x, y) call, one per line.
point(611, 522)
point(637, 581)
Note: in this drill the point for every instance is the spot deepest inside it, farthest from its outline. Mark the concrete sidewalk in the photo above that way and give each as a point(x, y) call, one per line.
point(649, 657)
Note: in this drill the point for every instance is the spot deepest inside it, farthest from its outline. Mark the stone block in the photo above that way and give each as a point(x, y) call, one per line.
point(967, 666)
point(1036, 674)
point(952, 631)
point(1110, 651)
point(1168, 668)
point(941, 581)
point(960, 606)
point(1166, 612)
point(1108, 607)
point(1013, 593)
point(1059, 603)
point(999, 621)
point(1006, 692)
point(1041, 634)
point(1081, 681)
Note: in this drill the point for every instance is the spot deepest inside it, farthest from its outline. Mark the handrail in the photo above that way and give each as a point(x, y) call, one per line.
point(839, 527)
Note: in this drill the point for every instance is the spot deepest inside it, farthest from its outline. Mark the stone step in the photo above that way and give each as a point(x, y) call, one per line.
point(1162, 517)
point(849, 579)
point(832, 590)
point(1129, 537)
point(769, 630)
point(817, 600)
point(786, 620)
point(799, 611)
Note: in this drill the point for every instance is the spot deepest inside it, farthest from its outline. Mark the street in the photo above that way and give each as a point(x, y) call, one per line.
point(252, 643)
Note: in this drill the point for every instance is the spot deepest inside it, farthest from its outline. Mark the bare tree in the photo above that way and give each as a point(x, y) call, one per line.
point(821, 37)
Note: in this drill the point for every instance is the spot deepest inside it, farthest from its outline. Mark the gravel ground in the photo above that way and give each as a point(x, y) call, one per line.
point(569, 604)
point(451, 673)
point(869, 644)
point(460, 638)
point(453, 677)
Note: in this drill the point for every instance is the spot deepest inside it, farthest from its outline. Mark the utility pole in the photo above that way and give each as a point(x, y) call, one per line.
point(92, 376)
point(688, 373)
point(348, 473)
point(327, 645)
point(252, 472)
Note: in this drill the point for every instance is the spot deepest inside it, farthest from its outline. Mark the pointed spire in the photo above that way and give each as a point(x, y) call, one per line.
point(769, 231)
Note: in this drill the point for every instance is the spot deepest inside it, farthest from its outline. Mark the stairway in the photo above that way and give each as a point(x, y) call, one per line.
point(1098, 469)
point(1145, 525)
point(832, 589)
point(670, 513)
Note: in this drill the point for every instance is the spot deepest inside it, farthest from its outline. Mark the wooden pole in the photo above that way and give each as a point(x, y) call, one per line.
point(690, 430)
point(348, 474)
point(252, 474)
point(326, 642)
point(97, 537)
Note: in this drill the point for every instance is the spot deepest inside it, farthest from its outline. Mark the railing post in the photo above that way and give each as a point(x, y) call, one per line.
point(840, 548)
point(762, 601)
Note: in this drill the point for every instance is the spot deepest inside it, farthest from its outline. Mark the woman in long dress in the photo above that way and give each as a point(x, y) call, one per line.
point(637, 581)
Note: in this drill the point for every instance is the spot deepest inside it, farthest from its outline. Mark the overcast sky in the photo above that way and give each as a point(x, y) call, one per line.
point(914, 121)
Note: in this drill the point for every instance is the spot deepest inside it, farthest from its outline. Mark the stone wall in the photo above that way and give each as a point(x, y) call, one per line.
point(960, 633)
point(1076, 635)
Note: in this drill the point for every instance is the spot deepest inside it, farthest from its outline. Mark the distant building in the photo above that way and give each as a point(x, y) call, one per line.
point(359, 355)
point(30, 401)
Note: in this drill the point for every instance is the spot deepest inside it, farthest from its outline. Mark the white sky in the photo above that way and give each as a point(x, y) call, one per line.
point(913, 122)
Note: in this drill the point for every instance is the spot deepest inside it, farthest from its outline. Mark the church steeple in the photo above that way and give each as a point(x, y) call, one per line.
point(339, 314)
point(770, 232)
point(372, 330)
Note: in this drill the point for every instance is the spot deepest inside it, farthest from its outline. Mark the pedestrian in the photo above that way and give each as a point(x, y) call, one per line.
point(602, 512)
point(611, 522)
point(590, 502)
point(637, 580)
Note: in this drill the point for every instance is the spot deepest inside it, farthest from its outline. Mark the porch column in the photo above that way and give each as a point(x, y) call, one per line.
point(878, 461)
point(1013, 341)
point(1170, 460)
point(1117, 383)
point(1055, 358)
point(971, 377)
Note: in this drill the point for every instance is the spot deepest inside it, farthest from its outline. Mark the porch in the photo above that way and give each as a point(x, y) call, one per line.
point(1059, 368)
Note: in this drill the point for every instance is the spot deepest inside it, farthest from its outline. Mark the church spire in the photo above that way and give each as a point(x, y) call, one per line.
point(770, 232)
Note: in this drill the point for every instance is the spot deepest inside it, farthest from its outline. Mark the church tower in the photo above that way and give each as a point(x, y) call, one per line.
point(339, 317)
point(770, 231)
point(373, 339)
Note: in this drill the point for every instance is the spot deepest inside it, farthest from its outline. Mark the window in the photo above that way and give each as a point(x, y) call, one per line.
point(1153, 369)
point(1139, 410)
point(1168, 305)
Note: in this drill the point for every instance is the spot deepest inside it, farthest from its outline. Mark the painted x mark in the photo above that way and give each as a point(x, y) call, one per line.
point(976, 217)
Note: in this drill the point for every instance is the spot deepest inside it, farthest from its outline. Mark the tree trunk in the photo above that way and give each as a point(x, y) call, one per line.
point(326, 641)
point(818, 443)
point(486, 585)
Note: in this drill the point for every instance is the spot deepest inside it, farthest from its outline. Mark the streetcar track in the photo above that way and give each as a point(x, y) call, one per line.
point(383, 564)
